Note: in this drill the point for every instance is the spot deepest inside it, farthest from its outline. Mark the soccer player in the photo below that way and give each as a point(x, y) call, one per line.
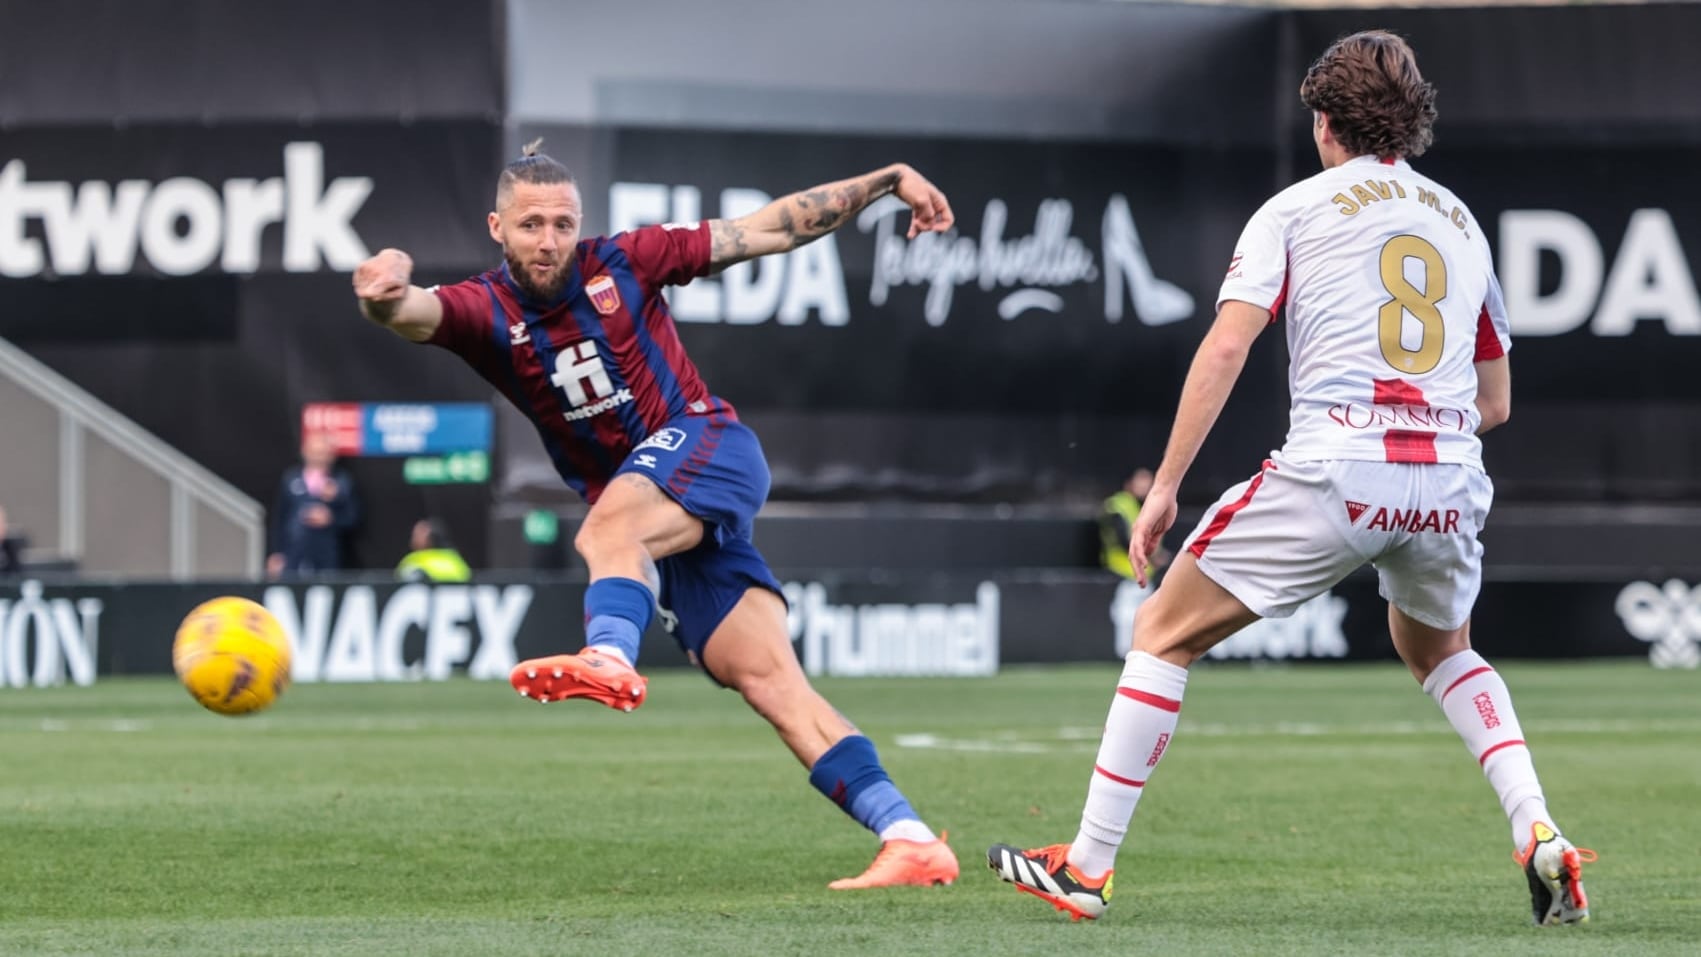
point(1397, 338)
point(576, 334)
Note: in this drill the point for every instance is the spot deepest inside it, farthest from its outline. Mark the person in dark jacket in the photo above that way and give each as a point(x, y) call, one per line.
point(316, 509)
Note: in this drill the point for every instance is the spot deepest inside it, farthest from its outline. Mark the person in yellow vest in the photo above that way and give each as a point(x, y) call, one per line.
point(432, 559)
point(1116, 525)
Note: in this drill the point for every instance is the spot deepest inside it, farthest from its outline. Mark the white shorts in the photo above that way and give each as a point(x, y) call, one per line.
point(1293, 530)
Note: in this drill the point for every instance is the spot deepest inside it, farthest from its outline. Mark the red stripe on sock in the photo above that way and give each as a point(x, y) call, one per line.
point(1157, 701)
point(1503, 744)
point(1464, 678)
point(1119, 779)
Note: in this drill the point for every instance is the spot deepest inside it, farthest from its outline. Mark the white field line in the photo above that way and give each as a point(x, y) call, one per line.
point(1076, 739)
point(121, 725)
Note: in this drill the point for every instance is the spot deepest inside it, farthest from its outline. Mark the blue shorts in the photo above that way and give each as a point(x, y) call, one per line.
point(713, 466)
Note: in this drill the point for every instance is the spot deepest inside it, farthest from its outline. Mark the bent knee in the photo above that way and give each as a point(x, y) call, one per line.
point(607, 534)
point(1169, 644)
point(595, 536)
point(1176, 634)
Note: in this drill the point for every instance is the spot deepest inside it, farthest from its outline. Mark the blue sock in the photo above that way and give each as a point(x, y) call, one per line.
point(850, 775)
point(617, 610)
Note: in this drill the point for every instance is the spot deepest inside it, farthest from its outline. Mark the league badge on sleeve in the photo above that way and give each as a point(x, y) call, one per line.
point(603, 294)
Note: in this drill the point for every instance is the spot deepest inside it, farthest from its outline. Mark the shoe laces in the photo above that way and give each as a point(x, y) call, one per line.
point(1056, 856)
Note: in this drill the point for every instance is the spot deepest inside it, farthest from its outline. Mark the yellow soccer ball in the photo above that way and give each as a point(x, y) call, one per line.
point(232, 656)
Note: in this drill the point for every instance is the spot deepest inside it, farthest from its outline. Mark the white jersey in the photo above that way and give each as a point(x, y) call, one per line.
point(1391, 300)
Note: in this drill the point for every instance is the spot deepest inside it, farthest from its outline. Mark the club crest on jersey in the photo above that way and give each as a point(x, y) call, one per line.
point(1355, 511)
point(517, 334)
point(603, 295)
point(669, 439)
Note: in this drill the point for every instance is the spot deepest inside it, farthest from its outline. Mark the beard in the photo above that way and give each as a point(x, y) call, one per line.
point(527, 280)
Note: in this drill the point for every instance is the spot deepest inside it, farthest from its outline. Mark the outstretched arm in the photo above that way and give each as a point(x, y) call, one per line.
point(389, 298)
point(790, 221)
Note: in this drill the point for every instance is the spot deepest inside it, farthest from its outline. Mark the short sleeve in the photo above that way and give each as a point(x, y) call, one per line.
point(1494, 330)
point(1258, 273)
point(1494, 327)
point(466, 316)
point(668, 255)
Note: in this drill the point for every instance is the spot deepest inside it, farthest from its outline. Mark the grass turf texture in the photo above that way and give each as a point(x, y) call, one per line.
point(1302, 810)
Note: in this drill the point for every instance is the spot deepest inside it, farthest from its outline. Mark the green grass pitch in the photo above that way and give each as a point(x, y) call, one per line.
point(1301, 810)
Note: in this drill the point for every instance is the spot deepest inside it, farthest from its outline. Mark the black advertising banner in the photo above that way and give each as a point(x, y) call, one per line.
point(848, 626)
point(167, 201)
point(1597, 250)
point(1079, 276)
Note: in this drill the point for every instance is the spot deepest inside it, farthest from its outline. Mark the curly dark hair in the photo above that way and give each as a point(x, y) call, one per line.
point(1377, 101)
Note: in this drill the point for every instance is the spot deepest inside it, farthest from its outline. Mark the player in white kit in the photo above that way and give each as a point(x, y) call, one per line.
point(1397, 338)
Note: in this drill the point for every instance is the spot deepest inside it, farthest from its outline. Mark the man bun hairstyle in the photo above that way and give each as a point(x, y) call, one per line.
point(1377, 101)
point(533, 166)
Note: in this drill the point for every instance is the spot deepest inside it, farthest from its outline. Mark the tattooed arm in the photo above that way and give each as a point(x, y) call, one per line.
point(790, 221)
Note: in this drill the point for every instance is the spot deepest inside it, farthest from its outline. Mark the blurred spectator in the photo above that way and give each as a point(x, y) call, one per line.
point(316, 509)
point(432, 558)
point(10, 564)
point(1116, 526)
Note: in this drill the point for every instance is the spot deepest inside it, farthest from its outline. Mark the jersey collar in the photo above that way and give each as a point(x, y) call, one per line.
point(1368, 160)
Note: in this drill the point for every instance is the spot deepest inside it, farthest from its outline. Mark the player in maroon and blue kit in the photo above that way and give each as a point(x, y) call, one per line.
point(576, 334)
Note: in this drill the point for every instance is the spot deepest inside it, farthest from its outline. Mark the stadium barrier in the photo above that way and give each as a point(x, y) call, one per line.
point(841, 625)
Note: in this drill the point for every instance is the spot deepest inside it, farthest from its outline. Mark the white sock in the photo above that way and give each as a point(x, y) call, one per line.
point(910, 830)
point(1479, 707)
point(1136, 734)
point(613, 651)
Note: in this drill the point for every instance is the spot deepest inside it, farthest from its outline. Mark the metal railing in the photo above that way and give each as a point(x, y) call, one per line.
point(80, 415)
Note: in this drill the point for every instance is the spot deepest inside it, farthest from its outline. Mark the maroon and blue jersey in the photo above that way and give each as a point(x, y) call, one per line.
point(599, 368)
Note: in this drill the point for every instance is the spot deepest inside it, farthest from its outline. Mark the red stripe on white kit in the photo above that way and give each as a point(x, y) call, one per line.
point(1406, 445)
point(1397, 392)
point(1137, 732)
point(1226, 514)
point(1119, 779)
point(1488, 341)
point(1157, 701)
point(1504, 744)
point(1462, 679)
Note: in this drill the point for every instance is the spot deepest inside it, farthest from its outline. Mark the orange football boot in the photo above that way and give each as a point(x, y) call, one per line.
point(905, 863)
point(588, 674)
